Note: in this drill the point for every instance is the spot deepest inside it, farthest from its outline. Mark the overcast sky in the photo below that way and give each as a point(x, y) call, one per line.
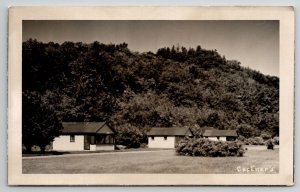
point(254, 43)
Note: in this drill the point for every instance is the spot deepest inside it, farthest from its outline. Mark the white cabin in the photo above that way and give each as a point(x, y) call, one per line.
point(85, 136)
point(164, 137)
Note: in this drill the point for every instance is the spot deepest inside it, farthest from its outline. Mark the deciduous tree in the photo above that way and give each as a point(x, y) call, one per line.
point(39, 122)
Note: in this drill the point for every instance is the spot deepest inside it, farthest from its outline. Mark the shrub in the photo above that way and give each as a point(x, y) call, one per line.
point(254, 141)
point(241, 138)
point(144, 145)
point(265, 136)
point(258, 141)
point(120, 147)
point(270, 144)
point(276, 140)
point(207, 148)
point(23, 148)
point(36, 148)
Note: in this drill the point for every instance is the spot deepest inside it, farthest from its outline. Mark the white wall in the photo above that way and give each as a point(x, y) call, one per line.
point(105, 147)
point(222, 138)
point(93, 148)
point(216, 139)
point(62, 143)
point(160, 142)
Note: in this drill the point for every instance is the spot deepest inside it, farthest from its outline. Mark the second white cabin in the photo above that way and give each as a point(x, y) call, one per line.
point(167, 137)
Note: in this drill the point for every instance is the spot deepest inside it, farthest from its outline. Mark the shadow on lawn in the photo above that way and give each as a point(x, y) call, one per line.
point(46, 153)
point(53, 153)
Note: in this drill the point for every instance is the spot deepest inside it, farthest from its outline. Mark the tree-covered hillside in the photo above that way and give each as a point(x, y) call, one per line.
point(176, 86)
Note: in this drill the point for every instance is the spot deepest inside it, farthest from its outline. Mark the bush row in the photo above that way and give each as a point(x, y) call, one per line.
point(36, 148)
point(258, 140)
point(207, 148)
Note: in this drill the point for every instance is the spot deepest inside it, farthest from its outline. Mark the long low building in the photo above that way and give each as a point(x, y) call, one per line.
point(167, 137)
point(80, 136)
point(220, 135)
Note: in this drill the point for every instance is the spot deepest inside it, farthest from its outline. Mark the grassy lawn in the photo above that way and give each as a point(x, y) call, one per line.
point(165, 161)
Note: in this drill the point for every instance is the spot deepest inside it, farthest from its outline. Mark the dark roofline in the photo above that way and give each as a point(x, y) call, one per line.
point(83, 122)
point(220, 133)
point(167, 134)
point(87, 133)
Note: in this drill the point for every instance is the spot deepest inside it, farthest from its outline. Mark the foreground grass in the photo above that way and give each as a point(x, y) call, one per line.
point(254, 161)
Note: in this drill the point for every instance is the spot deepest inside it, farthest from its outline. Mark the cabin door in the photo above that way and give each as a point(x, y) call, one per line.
point(87, 142)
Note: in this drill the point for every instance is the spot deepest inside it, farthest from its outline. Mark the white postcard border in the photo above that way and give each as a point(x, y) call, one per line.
point(284, 14)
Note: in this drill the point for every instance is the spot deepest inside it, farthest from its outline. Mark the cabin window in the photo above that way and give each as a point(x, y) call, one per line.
point(165, 137)
point(152, 138)
point(72, 138)
point(218, 138)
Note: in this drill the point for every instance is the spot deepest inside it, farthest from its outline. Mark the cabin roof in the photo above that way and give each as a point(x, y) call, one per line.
point(169, 131)
point(219, 133)
point(86, 128)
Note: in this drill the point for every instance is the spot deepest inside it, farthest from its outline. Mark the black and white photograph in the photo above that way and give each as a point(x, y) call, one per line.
point(142, 96)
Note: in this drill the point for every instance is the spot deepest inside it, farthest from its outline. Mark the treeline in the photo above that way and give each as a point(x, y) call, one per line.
point(135, 91)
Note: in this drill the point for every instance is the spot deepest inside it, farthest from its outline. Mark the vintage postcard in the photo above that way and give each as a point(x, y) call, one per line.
point(151, 96)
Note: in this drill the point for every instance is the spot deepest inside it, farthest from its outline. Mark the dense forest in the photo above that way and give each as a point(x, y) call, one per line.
point(132, 91)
